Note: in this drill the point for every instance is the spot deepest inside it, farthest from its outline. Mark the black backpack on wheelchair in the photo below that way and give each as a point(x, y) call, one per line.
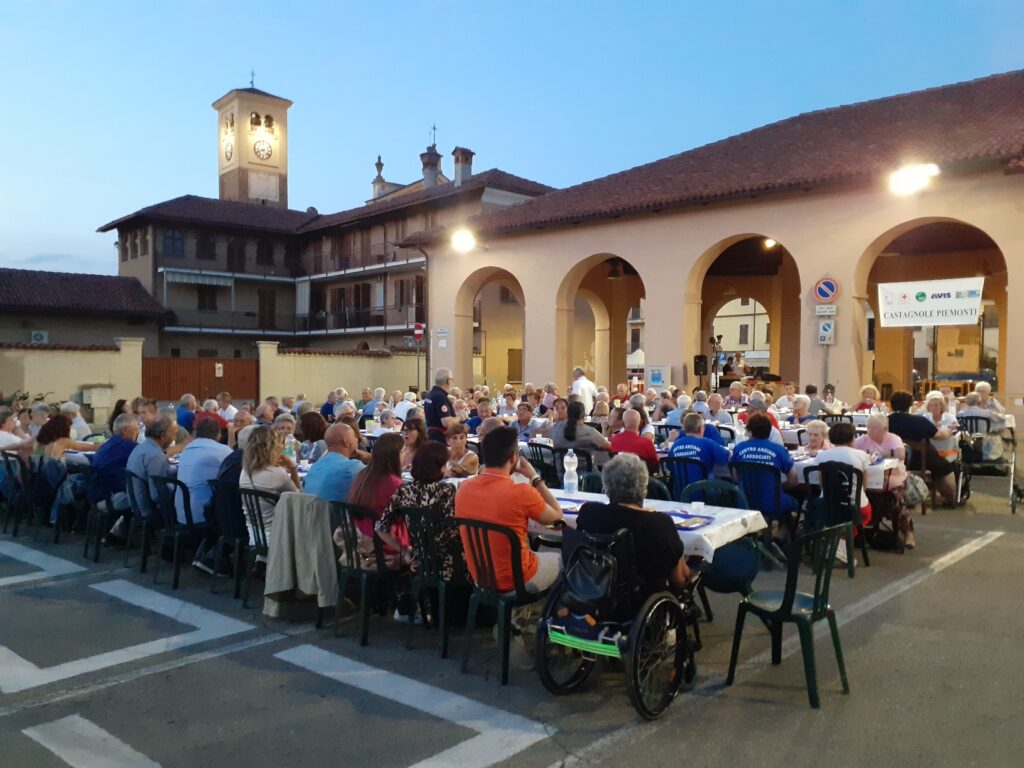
point(598, 608)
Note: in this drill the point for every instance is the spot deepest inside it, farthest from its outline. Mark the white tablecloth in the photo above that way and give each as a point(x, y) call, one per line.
point(727, 524)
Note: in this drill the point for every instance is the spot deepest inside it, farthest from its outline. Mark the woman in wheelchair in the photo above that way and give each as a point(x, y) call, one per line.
point(614, 600)
point(658, 550)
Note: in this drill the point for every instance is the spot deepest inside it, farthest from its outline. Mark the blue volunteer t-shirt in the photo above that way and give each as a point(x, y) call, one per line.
point(756, 451)
point(703, 449)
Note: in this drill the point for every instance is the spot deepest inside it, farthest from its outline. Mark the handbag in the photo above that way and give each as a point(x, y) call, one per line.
point(916, 490)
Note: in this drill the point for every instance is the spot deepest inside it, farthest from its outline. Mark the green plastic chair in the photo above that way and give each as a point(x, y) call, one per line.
point(657, 490)
point(715, 493)
point(801, 608)
point(478, 538)
point(591, 482)
point(344, 517)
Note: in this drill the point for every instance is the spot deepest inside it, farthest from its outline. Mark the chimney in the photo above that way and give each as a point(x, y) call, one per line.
point(431, 165)
point(463, 164)
point(378, 183)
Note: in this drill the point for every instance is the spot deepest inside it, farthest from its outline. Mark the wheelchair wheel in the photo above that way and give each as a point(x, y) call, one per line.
point(657, 658)
point(562, 670)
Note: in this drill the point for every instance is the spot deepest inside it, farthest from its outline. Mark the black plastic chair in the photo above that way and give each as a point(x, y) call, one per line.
point(252, 505)
point(728, 432)
point(543, 458)
point(800, 608)
point(230, 521)
point(426, 527)
point(45, 479)
point(662, 431)
point(101, 514)
point(682, 471)
point(477, 537)
point(801, 436)
point(351, 565)
point(841, 486)
point(17, 505)
point(183, 536)
point(142, 519)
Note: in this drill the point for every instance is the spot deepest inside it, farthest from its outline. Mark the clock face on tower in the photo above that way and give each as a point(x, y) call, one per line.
point(229, 151)
point(262, 149)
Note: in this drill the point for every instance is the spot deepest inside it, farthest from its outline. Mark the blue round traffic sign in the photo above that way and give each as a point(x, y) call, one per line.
point(826, 290)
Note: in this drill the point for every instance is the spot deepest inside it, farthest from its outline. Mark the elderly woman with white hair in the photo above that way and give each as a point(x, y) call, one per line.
point(659, 552)
point(736, 398)
point(802, 409)
point(817, 436)
point(986, 401)
point(879, 441)
point(80, 428)
point(944, 440)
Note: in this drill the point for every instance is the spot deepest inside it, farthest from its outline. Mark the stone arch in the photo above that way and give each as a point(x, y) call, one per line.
point(781, 297)
point(892, 360)
point(462, 334)
point(610, 305)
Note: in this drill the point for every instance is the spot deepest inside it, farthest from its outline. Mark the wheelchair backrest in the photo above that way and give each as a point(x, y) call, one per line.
point(600, 574)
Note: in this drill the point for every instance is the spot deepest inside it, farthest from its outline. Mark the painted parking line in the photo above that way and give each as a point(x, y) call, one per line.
point(19, 674)
point(501, 734)
point(83, 744)
point(50, 566)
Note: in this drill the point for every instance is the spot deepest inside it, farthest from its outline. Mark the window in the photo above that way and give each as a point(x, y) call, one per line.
point(206, 298)
point(767, 333)
point(634, 340)
point(134, 245)
point(744, 302)
point(265, 253)
point(145, 242)
point(206, 248)
point(236, 255)
point(318, 264)
point(364, 246)
point(238, 354)
point(175, 352)
point(174, 245)
point(744, 333)
point(507, 297)
point(122, 249)
point(400, 228)
point(430, 220)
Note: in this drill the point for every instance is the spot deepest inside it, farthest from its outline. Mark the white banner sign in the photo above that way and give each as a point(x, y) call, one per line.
point(930, 302)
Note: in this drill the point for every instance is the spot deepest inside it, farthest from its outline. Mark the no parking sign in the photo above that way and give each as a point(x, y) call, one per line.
point(827, 332)
point(826, 290)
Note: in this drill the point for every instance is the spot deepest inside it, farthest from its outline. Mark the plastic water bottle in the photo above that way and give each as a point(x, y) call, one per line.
point(289, 447)
point(570, 480)
point(142, 433)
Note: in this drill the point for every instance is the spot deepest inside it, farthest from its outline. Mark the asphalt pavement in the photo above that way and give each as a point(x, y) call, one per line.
point(99, 666)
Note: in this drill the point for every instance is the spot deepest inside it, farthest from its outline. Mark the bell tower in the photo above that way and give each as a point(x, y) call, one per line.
point(252, 147)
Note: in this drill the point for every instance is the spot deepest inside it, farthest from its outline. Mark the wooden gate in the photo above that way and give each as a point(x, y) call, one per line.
point(168, 378)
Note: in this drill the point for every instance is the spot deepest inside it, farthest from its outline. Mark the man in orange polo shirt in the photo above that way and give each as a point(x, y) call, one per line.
point(492, 496)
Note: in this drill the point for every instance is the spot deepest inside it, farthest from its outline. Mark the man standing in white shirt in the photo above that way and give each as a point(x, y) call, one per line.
point(226, 410)
point(585, 388)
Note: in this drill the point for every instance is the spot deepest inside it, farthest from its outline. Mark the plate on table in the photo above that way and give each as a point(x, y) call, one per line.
point(688, 522)
point(568, 505)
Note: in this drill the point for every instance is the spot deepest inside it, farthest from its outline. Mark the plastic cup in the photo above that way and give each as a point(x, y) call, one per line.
point(696, 507)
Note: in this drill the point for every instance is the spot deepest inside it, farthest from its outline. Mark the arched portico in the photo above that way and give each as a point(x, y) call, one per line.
point(491, 331)
point(751, 265)
point(932, 248)
point(611, 287)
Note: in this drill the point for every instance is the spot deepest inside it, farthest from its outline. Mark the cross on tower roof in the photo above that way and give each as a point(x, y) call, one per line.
point(433, 134)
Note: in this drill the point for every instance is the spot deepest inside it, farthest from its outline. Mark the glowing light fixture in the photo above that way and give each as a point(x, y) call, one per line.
point(769, 243)
point(463, 240)
point(912, 178)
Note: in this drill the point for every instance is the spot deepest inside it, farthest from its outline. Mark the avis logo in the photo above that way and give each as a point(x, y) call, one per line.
point(945, 295)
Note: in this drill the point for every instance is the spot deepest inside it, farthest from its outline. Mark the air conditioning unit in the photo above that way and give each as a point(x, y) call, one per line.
point(39, 337)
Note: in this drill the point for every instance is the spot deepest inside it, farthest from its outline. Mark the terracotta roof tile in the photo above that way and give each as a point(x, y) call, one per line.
point(956, 126)
point(31, 290)
point(206, 211)
point(195, 210)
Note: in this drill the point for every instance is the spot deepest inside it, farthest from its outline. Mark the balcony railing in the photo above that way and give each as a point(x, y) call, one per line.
point(344, 319)
point(379, 254)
